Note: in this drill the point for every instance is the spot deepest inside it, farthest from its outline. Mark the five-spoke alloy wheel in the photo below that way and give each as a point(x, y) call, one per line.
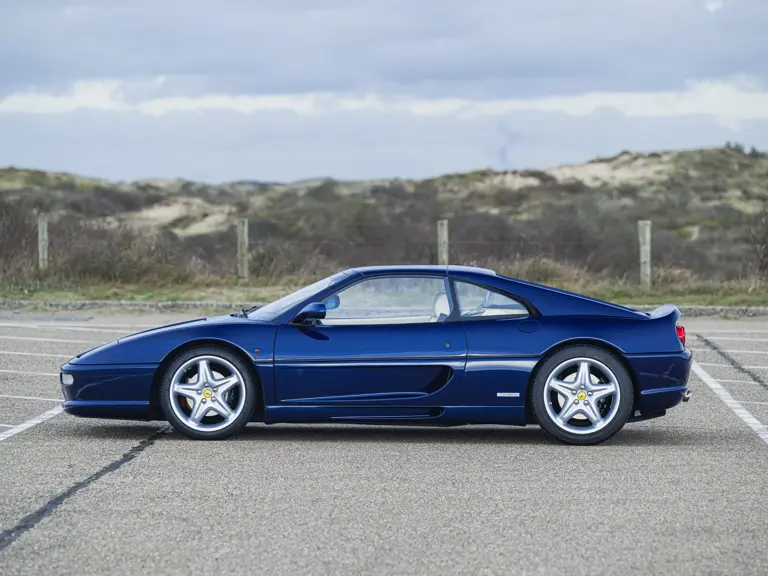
point(208, 393)
point(582, 395)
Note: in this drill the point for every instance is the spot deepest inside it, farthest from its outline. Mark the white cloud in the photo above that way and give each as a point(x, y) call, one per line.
point(272, 89)
point(730, 102)
point(485, 48)
point(714, 5)
point(75, 11)
point(82, 95)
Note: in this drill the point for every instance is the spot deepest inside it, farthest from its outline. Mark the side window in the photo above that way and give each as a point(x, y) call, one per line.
point(389, 300)
point(476, 301)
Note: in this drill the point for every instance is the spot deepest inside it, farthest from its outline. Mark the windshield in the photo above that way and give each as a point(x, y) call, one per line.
point(274, 309)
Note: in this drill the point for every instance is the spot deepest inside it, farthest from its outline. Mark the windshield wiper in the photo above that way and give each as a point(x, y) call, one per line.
point(243, 313)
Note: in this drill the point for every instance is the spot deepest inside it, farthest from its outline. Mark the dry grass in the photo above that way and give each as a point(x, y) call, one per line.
point(672, 285)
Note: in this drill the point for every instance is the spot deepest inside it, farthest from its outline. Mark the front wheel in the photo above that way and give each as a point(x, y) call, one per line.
point(208, 393)
point(582, 395)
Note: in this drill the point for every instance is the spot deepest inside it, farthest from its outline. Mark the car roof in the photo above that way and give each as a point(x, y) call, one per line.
point(421, 269)
point(546, 300)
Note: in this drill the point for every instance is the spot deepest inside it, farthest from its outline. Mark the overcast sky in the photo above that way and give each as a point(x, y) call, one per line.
point(288, 89)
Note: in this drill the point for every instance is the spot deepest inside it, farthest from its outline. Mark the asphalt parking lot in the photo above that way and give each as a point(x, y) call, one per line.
point(687, 493)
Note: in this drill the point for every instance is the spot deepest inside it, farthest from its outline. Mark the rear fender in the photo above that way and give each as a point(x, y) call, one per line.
point(664, 319)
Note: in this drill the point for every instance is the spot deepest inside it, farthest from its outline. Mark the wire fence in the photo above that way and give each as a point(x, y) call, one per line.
point(69, 249)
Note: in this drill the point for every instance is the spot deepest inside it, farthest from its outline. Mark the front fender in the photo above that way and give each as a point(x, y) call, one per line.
point(255, 338)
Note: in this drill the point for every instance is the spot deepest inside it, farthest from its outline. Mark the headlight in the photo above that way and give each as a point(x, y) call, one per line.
point(67, 379)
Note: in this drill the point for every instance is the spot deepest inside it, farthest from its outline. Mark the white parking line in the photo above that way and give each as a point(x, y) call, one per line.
point(761, 403)
point(731, 351)
point(735, 332)
point(737, 381)
point(729, 401)
point(729, 366)
point(31, 422)
point(83, 324)
point(57, 340)
point(6, 425)
point(739, 339)
point(38, 354)
point(67, 328)
point(22, 372)
point(30, 398)
point(34, 324)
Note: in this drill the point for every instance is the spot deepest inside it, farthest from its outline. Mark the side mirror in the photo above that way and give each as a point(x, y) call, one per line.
point(313, 311)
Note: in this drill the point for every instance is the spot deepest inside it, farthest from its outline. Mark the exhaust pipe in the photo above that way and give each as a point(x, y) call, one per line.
point(688, 394)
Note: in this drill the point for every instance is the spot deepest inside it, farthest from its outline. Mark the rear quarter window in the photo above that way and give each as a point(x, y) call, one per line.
point(480, 302)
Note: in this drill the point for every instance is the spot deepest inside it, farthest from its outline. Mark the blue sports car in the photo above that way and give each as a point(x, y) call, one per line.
point(406, 345)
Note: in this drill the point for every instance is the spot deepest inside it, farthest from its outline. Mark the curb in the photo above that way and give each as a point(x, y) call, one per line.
point(689, 311)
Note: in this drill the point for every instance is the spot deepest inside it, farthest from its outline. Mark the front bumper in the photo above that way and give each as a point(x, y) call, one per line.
point(108, 391)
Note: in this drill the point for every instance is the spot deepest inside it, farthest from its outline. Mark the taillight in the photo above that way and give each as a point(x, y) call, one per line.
point(680, 333)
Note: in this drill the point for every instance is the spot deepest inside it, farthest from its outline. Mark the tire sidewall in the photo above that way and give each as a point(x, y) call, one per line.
point(623, 378)
point(251, 393)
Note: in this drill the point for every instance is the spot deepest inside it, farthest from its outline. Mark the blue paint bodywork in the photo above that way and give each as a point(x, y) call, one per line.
point(441, 373)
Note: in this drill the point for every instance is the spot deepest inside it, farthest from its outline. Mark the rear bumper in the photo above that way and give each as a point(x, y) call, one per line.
point(662, 381)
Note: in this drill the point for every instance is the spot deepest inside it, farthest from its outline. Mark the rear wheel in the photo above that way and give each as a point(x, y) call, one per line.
point(208, 393)
point(582, 395)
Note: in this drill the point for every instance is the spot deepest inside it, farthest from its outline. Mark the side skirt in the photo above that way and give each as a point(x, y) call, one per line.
point(404, 416)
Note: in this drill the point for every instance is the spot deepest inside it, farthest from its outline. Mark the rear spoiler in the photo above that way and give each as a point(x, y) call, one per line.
point(667, 311)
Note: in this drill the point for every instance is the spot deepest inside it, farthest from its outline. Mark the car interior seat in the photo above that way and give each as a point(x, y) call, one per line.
point(441, 308)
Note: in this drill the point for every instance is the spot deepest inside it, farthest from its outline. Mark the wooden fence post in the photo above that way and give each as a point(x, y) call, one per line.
point(442, 242)
point(42, 242)
point(644, 235)
point(242, 249)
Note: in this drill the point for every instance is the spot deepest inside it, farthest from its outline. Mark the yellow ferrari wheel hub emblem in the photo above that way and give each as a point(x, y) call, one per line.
point(581, 395)
point(207, 393)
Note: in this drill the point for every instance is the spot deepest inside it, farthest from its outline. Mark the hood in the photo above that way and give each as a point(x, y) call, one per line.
point(165, 328)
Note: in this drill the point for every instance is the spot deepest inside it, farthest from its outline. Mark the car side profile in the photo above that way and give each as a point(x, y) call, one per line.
point(405, 345)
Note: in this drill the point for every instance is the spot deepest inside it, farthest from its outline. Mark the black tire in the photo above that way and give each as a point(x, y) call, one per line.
point(625, 403)
point(248, 407)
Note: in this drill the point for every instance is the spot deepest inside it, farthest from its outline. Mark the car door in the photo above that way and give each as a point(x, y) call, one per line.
point(384, 342)
point(498, 330)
